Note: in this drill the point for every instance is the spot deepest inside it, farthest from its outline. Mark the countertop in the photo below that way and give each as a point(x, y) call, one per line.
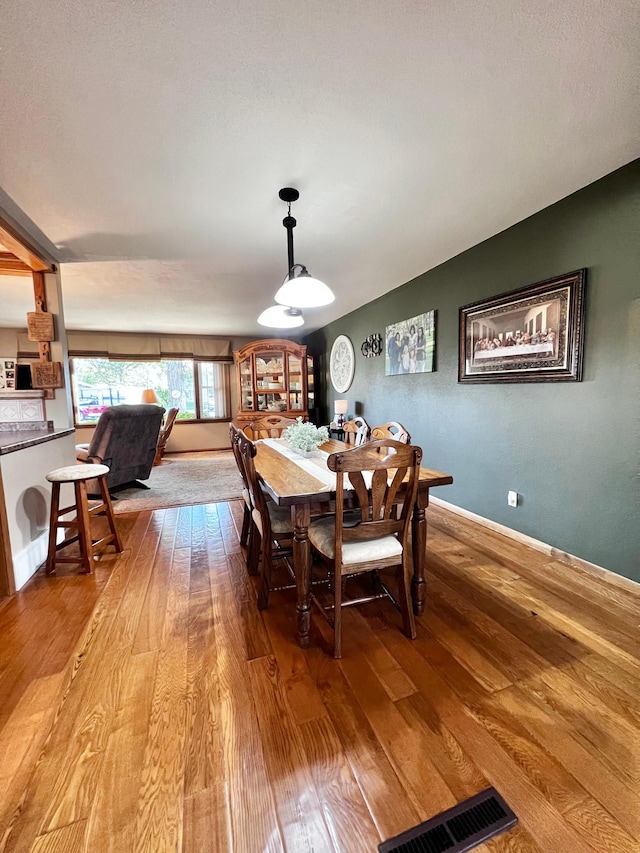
point(11, 441)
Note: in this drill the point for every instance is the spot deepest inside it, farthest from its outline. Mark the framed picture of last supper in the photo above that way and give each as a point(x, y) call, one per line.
point(534, 334)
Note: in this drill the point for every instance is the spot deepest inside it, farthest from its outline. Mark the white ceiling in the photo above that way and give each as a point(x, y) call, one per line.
point(148, 141)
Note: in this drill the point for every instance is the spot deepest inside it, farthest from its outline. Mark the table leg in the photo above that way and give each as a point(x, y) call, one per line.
point(300, 516)
point(419, 547)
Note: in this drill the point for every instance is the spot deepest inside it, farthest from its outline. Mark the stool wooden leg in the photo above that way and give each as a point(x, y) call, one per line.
point(53, 528)
point(84, 526)
point(106, 499)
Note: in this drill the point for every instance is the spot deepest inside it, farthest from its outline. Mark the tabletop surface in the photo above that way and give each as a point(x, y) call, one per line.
point(290, 483)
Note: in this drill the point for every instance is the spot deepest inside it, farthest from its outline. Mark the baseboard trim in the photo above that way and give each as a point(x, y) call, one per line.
point(29, 560)
point(555, 553)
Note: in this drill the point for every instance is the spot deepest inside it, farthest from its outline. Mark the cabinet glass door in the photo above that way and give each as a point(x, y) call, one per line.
point(296, 389)
point(246, 385)
point(311, 394)
point(271, 386)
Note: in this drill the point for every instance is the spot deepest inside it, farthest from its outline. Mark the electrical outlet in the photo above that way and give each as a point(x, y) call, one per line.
point(512, 498)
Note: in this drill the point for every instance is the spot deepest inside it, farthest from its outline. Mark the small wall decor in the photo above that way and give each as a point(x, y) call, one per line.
point(411, 345)
point(371, 346)
point(46, 374)
point(342, 363)
point(40, 326)
point(7, 374)
point(533, 334)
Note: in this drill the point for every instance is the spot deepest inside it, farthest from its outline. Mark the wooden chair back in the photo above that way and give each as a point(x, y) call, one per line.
point(356, 431)
point(246, 453)
point(165, 432)
point(270, 426)
point(246, 534)
point(392, 429)
point(389, 463)
point(234, 434)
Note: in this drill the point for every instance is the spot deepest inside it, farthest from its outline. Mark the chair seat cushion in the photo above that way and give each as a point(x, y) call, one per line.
point(280, 517)
point(322, 535)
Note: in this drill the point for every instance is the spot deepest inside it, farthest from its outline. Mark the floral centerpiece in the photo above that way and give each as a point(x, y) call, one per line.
point(304, 436)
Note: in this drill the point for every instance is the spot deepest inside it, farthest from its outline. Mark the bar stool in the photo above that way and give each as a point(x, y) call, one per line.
point(78, 475)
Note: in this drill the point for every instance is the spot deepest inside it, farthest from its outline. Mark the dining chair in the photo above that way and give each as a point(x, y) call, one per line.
point(271, 426)
point(272, 534)
point(392, 429)
point(247, 519)
point(380, 475)
point(356, 431)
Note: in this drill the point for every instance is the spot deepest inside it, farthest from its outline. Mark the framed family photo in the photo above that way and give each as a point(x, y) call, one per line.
point(410, 345)
point(533, 334)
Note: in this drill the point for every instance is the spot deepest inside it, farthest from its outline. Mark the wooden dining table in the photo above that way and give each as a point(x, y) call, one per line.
point(290, 482)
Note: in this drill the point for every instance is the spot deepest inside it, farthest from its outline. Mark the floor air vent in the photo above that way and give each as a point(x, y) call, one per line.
point(458, 829)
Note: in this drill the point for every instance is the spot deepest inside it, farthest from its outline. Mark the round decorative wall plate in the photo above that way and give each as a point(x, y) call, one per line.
point(342, 363)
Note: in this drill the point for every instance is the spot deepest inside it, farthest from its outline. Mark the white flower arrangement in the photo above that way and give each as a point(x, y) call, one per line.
point(305, 437)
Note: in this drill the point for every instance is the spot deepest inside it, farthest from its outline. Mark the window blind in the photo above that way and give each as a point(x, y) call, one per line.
point(124, 346)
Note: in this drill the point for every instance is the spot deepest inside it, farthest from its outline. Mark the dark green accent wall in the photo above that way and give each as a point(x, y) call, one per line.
point(571, 449)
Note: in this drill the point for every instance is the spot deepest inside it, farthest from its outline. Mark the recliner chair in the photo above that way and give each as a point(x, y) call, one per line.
point(125, 440)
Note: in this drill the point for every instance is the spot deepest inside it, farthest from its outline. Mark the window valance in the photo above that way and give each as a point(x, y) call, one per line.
point(209, 349)
point(123, 346)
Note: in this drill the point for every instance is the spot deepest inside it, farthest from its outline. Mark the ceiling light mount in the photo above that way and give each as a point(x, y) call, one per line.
point(289, 194)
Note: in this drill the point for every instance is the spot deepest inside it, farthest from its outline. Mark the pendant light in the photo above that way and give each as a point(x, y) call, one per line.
point(299, 289)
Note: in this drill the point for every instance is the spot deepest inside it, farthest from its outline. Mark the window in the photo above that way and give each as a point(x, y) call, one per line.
point(198, 389)
point(214, 389)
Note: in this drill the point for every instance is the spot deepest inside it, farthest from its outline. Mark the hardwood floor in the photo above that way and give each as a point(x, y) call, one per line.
point(152, 707)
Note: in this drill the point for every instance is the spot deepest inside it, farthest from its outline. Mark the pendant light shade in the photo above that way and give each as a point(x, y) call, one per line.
point(281, 317)
point(303, 290)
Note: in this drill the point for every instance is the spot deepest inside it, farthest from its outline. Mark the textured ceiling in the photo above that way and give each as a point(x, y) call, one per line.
point(148, 142)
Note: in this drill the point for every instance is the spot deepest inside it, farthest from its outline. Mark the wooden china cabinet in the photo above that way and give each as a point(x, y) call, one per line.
point(274, 376)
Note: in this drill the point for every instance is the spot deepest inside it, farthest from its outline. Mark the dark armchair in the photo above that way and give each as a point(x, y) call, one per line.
point(125, 440)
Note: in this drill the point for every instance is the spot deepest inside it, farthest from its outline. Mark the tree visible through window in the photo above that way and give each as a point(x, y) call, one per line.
point(100, 382)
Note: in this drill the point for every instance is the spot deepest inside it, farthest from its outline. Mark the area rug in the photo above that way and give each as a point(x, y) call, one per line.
point(184, 479)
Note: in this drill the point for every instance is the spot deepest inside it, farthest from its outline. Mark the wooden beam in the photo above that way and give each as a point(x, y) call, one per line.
point(22, 249)
point(39, 291)
point(10, 265)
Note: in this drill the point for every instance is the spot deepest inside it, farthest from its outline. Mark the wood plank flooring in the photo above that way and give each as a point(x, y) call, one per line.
point(151, 707)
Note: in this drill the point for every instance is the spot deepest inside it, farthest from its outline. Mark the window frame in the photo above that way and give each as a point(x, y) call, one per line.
point(198, 419)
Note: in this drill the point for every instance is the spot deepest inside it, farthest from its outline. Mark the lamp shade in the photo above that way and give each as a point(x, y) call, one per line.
point(304, 291)
point(340, 407)
point(149, 396)
point(281, 317)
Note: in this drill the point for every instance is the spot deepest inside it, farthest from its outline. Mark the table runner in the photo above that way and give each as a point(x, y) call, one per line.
point(316, 465)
